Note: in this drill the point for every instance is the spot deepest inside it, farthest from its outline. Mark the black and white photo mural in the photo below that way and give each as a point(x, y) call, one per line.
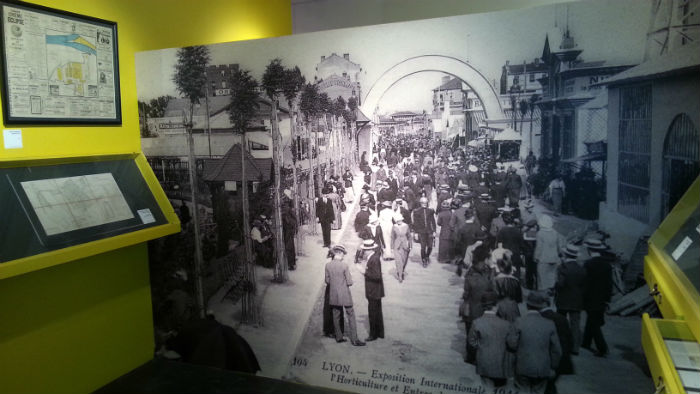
point(452, 205)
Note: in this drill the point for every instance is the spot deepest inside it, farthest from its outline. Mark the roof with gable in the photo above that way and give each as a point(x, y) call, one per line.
point(335, 59)
point(228, 168)
point(452, 84)
point(528, 67)
point(178, 106)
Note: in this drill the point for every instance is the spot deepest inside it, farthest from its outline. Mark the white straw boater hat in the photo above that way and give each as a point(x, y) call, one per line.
point(339, 248)
point(368, 244)
point(571, 250)
point(596, 244)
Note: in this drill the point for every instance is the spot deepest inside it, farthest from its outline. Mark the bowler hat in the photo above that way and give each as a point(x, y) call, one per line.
point(537, 300)
point(489, 299)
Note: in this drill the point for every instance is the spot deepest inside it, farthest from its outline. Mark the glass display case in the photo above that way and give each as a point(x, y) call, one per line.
point(672, 272)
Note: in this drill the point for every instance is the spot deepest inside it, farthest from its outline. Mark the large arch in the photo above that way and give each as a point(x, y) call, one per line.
point(447, 64)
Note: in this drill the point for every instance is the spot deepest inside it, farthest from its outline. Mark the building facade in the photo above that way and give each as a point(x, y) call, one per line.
point(567, 87)
point(337, 76)
point(218, 77)
point(653, 142)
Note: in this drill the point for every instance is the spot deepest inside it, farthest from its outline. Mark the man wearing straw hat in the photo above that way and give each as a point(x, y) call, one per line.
point(339, 279)
point(597, 292)
point(571, 277)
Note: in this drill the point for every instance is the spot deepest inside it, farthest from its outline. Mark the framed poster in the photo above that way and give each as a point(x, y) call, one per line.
point(58, 67)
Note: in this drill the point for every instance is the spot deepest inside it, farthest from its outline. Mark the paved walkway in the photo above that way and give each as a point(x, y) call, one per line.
point(423, 348)
point(285, 307)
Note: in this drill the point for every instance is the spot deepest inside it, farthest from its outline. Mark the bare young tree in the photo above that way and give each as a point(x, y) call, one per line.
point(244, 104)
point(310, 107)
point(189, 78)
point(293, 83)
point(273, 85)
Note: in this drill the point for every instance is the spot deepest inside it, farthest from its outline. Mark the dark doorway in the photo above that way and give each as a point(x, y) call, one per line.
point(681, 161)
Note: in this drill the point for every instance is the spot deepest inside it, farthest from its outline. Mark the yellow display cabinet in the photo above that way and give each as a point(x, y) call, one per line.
point(61, 210)
point(672, 272)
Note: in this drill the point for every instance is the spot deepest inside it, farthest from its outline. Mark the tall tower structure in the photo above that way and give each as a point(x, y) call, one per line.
point(672, 24)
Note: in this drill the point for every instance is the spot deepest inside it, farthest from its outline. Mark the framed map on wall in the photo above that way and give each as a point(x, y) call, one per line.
point(58, 67)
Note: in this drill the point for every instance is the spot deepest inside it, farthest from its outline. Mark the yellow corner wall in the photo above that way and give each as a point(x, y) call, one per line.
point(74, 327)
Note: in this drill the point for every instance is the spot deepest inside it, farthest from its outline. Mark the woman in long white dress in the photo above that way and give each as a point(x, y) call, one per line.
point(386, 222)
point(547, 246)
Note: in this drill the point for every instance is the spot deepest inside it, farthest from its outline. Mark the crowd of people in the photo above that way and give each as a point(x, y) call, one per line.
point(525, 284)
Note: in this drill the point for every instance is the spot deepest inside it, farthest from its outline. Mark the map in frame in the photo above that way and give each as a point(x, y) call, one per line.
point(59, 67)
point(74, 203)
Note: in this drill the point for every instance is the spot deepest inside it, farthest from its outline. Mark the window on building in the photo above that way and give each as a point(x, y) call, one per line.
point(634, 152)
point(223, 85)
point(257, 146)
point(532, 77)
point(568, 143)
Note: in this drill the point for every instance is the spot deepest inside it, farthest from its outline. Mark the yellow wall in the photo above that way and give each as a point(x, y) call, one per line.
point(76, 326)
point(145, 25)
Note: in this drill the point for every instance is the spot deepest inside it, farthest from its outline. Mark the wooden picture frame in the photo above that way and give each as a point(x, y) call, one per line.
point(58, 67)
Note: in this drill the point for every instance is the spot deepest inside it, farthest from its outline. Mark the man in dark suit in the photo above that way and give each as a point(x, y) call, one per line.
point(325, 216)
point(512, 186)
point(374, 291)
point(392, 182)
point(464, 236)
point(339, 280)
point(416, 184)
point(384, 194)
point(537, 347)
point(485, 211)
point(424, 225)
point(512, 239)
point(569, 288)
point(566, 366)
point(488, 336)
point(362, 217)
point(596, 295)
point(289, 229)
